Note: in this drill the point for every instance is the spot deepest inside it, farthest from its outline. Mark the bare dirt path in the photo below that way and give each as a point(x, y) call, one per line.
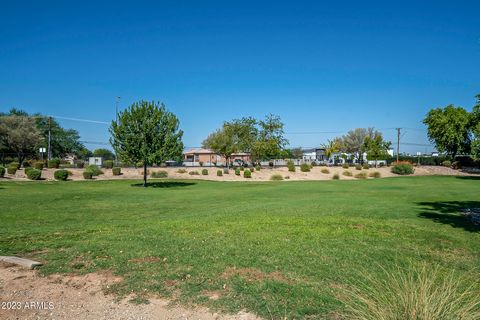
point(82, 297)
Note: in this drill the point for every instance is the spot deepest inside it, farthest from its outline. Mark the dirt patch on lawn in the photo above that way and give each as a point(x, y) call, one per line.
point(251, 275)
point(82, 297)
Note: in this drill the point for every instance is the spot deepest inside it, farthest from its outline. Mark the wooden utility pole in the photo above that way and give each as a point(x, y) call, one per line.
point(398, 142)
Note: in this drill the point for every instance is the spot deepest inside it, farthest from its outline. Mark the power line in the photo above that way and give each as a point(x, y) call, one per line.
point(81, 120)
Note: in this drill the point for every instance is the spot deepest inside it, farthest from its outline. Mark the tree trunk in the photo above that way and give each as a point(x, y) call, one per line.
point(144, 173)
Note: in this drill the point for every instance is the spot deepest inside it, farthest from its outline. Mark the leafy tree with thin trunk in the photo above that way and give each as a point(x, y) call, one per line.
point(20, 135)
point(475, 125)
point(271, 140)
point(449, 129)
point(146, 132)
point(376, 147)
point(238, 135)
point(354, 141)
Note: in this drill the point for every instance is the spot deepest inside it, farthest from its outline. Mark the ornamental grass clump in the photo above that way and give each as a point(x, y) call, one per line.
point(116, 171)
point(291, 166)
point(219, 173)
point(304, 167)
point(205, 172)
point(247, 173)
point(347, 173)
point(325, 170)
point(412, 293)
point(276, 177)
point(159, 174)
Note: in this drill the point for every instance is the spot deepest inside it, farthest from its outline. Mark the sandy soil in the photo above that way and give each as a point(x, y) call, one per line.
point(262, 175)
point(82, 297)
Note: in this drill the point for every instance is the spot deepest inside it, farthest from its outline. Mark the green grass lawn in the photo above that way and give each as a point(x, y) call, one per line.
point(274, 248)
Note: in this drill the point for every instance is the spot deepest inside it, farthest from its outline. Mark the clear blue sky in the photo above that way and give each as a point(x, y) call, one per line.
point(321, 66)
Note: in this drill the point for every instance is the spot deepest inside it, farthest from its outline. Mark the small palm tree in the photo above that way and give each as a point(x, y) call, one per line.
point(331, 147)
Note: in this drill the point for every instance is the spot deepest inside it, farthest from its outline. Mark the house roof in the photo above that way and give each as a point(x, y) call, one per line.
point(198, 151)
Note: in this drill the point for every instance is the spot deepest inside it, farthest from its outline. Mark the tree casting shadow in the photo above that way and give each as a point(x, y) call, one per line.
point(165, 184)
point(449, 212)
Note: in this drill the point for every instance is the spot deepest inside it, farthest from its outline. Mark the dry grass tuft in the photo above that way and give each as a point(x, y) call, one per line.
point(417, 293)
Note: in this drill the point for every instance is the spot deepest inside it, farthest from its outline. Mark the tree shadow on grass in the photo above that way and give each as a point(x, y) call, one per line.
point(165, 184)
point(449, 212)
point(469, 177)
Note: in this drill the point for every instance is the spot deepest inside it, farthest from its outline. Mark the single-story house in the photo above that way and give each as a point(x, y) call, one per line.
point(207, 157)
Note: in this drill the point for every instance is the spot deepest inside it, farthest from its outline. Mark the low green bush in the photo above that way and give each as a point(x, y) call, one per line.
point(336, 176)
point(11, 170)
point(87, 174)
point(291, 166)
point(26, 169)
point(38, 165)
point(366, 166)
point(15, 165)
point(247, 174)
point(34, 174)
point(2, 172)
point(304, 167)
point(358, 167)
point(116, 171)
point(402, 169)
point(60, 175)
point(361, 175)
point(237, 171)
point(181, 171)
point(447, 163)
point(95, 170)
point(193, 173)
point(313, 164)
point(258, 168)
point(108, 164)
point(345, 166)
point(347, 173)
point(53, 163)
point(219, 173)
point(226, 171)
point(204, 172)
point(325, 170)
point(276, 177)
point(375, 174)
point(287, 177)
point(159, 174)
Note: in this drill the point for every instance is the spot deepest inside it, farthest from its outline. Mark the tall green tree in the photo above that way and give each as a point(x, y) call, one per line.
point(146, 132)
point(354, 141)
point(63, 141)
point(449, 129)
point(376, 147)
point(475, 127)
point(271, 140)
point(238, 135)
point(20, 135)
point(104, 153)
